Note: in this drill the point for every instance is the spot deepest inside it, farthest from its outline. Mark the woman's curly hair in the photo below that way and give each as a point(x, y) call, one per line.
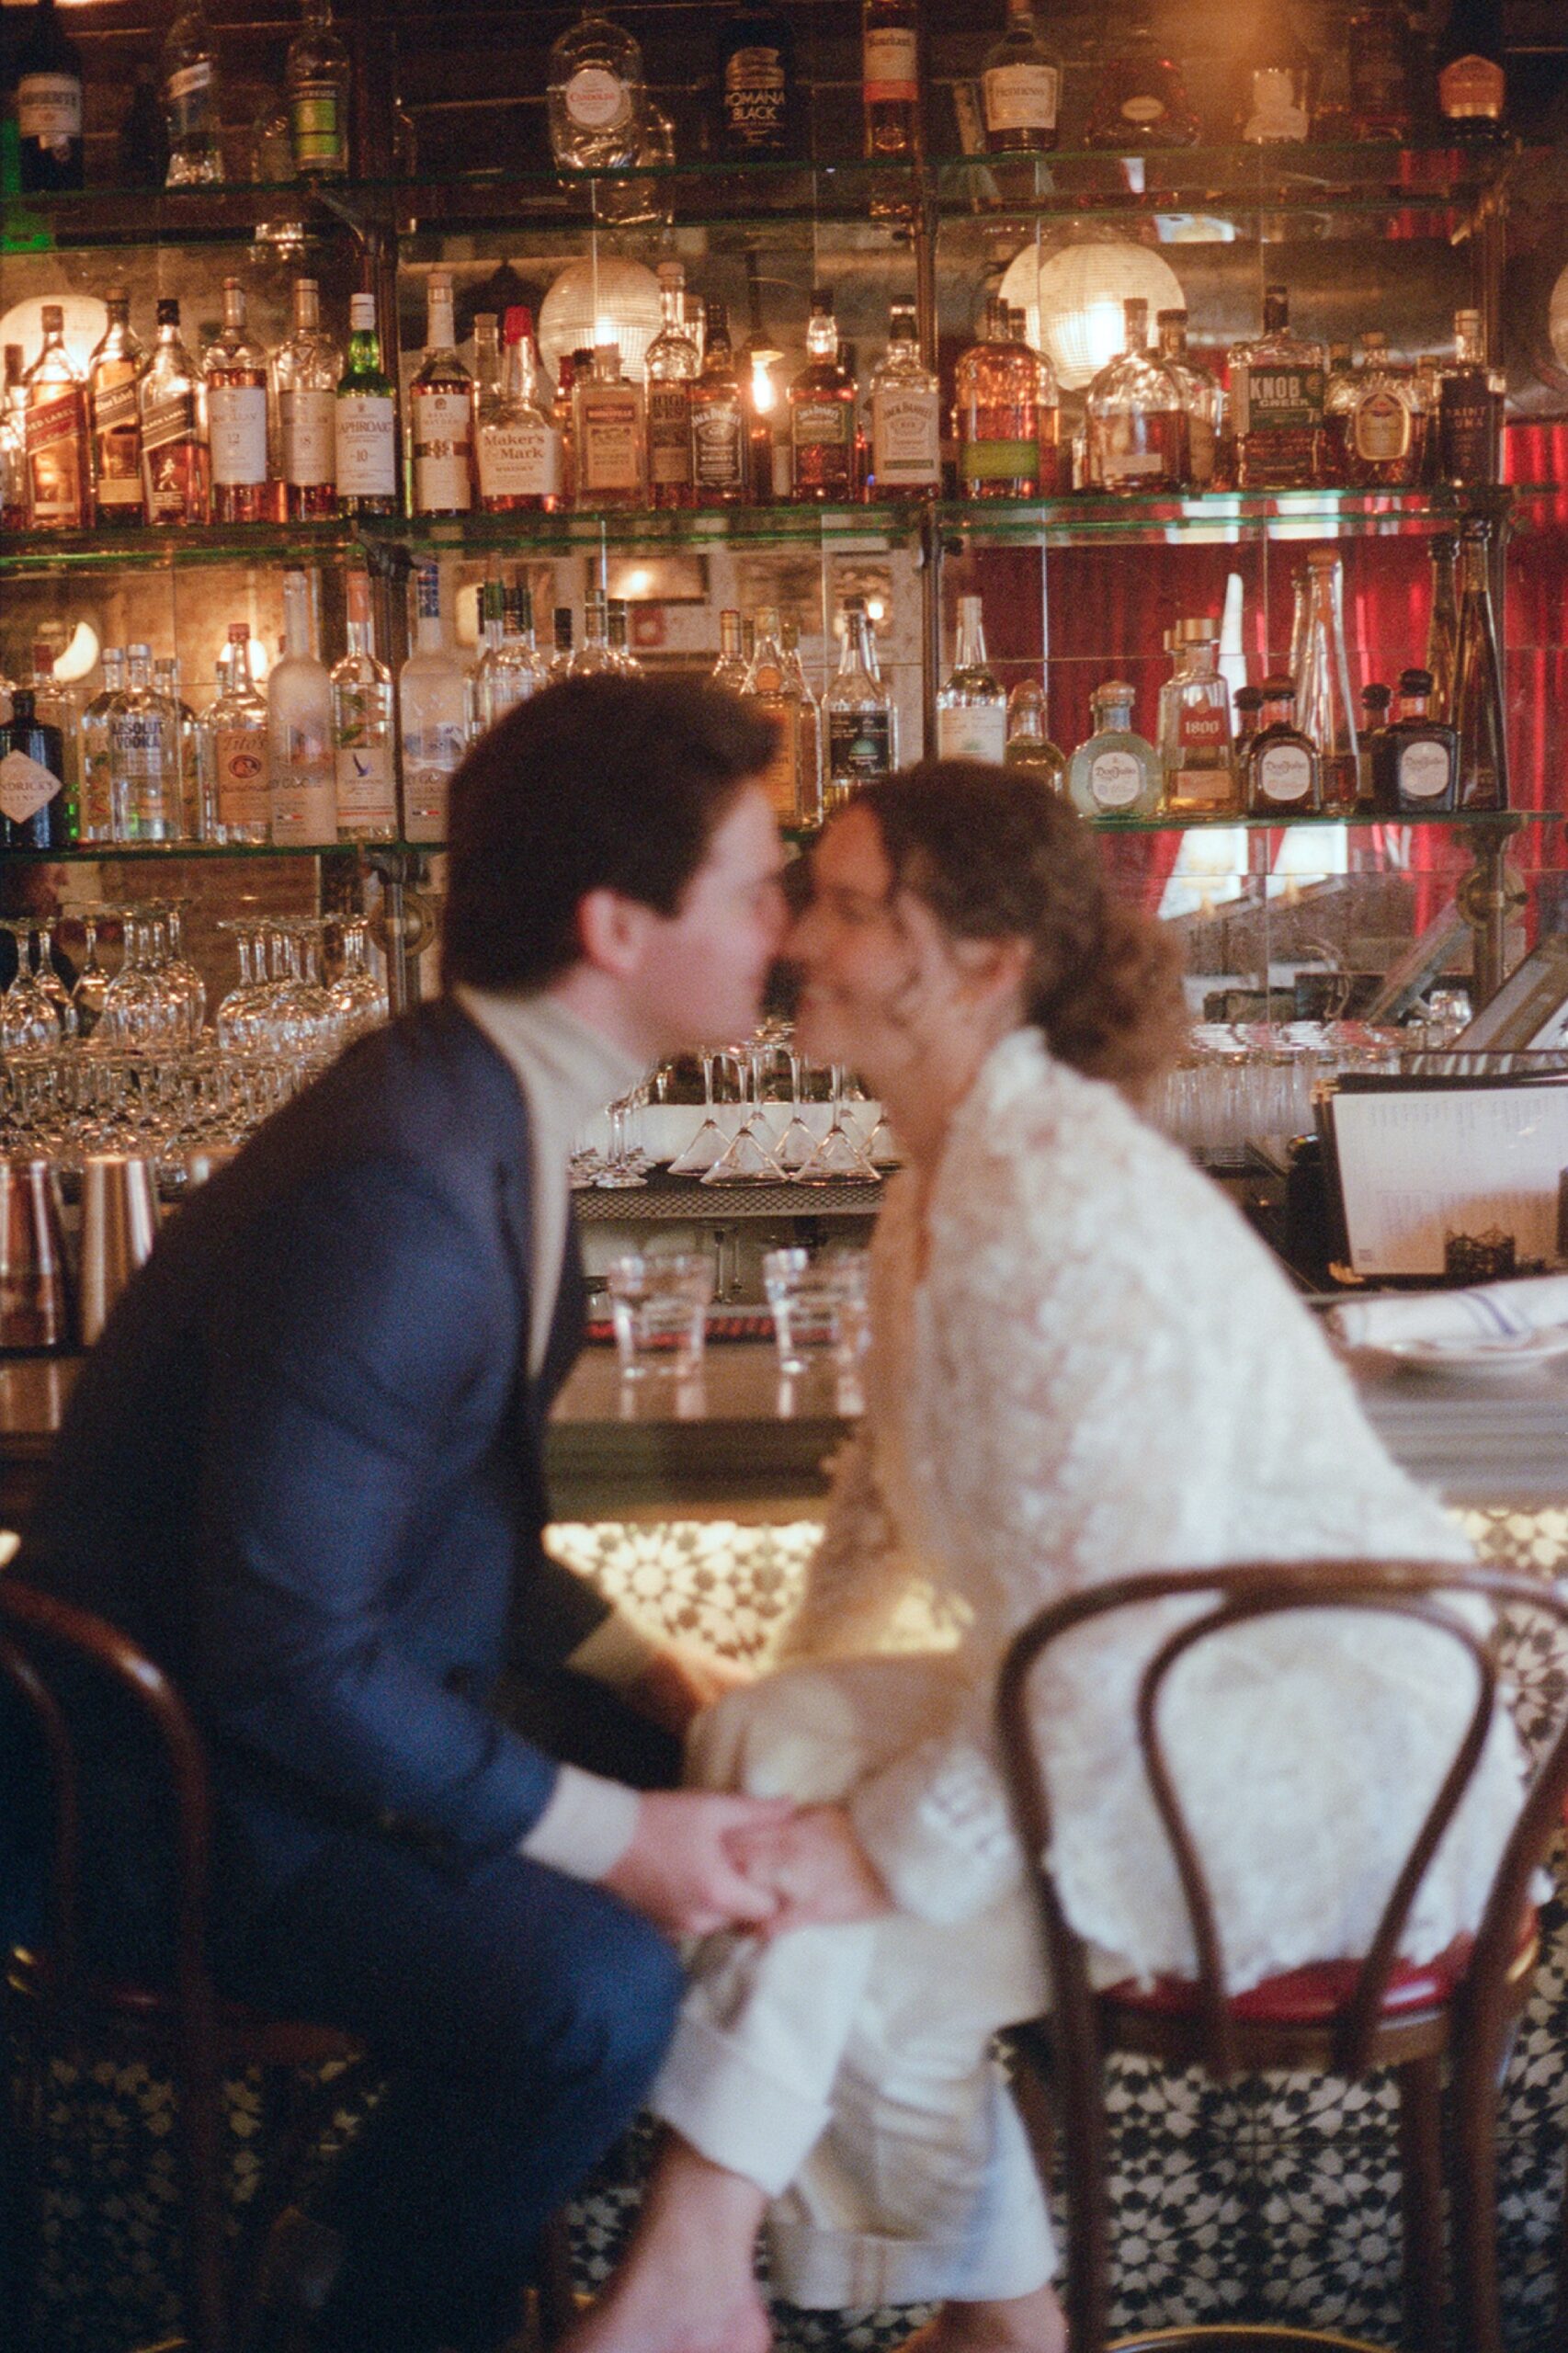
point(994, 855)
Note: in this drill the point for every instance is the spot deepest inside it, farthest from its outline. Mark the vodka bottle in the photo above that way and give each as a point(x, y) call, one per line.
point(55, 429)
point(671, 368)
point(508, 671)
point(432, 723)
point(191, 100)
point(173, 429)
point(299, 730)
point(95, 823)
point(365, 421)
point(234, 756)
point(519, 452)
point(114, 377)
point(316, 86)
point(234, 369)
point(362, 729)
point(858, 714)
point(166, 682)
point(144, 757)
point(441, 402)
point(305, 374)
point(972, 708)
point(596, 102)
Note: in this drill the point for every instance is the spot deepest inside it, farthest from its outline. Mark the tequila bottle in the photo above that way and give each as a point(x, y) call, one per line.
point(1030, 743)
point(790, 777)
point(1415, 766)
point(173, 429)
point(890, 79)
point(906, 426)
point(32, 780)
point(114, 376)
point(730, 670)
point(1201, 398)
point(96, 820)
point(1375, 701)
point(1281, 771)
point(316, 86)
point(1276, 395)
point(365, 421)
point(858, 714)
point(1323, 707)
point(996, 412)
point(144, 757)
point(1196, 750)
point(1469, 409)
point(55, 434)
point(300, 730)
point(1443, 625)
point(235, 368)
point(1136, 418)
point(609, 449)
point(432, 723)
point(1141, 101)
point(192, 100)
point(440, 404)
point(48, 67)
point(1117, 773)
point(671, 368)
point(1249, 718)
point(306, 371)
point(719, 432)
point(1020, 86)
point(518, 442)
point(235, 756)
point(1478, 713)
point(362, 730)
point(823, 415)
point(1384, 440)
point(597, 99)
point(971, 708)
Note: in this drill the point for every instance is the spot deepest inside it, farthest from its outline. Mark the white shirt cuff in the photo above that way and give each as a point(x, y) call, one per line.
point(585, 1828)
point(617, 1652)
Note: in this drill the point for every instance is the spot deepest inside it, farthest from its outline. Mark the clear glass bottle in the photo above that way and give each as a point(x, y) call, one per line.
point(507, 675)
point(996, 412)
point(235, 753)
point(1384, 443)
point(1341, 386)
point(671, 370)
point(518, 442)
point(562, 659)
point(1197, 753)
point(432, 725)
point(362, 731)
point(594, 659)
point(1117, 773)
point(1140, 99)
point(300, 730)
point(890, 79)
point(1415, 766)
point(1470, 410)
point(166, 682)
point(306, 371)
point(486, 365)
point(720, 451)
point(144, 757)
point(1030, 743)
point(440, 411)
point(972, 707)
point(906, 416)
point(622, 658)
point(1202, 397)
point(365, 421)
point(1020, 86)
point(798, 684)
point(316, 82)
point(1281, 771)
point(96, 821)
point(1326, 710)
point(115, 371)
point(1478, 713)
point(609, 447)
point(790, 778)
point(1277, 396)
point(46, 65)
point(32, 787)
point(55, 431)
point(597, 99)
point(860, 721)
point(1443, 624)
point(233, 367)
point(730, 670)
point(192, 99)
point(14, 445)
point(1136, 418)
point(173, 429)
point(823, 415)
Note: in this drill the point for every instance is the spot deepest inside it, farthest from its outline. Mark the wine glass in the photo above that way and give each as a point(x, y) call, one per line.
point(29, 1018)
point(361, 999)
point(92, 981)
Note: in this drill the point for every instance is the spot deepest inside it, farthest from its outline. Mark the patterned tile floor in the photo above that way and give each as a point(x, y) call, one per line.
point(1271, 2200)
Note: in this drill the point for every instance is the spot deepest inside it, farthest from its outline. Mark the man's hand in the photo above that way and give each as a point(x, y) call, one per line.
point(679, 1681)
point(679, 1870)
point(814, 1866)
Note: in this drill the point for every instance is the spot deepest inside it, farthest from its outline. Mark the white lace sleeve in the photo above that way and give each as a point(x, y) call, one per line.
point(856, 1577)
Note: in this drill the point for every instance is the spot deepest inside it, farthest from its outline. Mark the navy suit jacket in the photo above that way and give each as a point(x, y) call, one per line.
point(303, 1469)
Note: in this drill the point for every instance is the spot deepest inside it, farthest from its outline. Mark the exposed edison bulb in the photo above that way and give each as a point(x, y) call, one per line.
point(764, 391)
point(80, 657)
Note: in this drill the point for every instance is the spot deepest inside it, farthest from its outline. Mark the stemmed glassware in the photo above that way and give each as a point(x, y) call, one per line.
point(30, 1016)
point(240, 1018)
point(748, 1158)
point(357, 994)
point(92, 981)
point(708, 1145)
point(837, 1158)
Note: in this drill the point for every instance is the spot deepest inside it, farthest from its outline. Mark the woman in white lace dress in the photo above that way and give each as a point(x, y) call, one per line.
point(1083, 1364)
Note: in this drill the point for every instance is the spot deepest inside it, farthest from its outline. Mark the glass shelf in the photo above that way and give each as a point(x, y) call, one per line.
point(1505, 821)
point(1088, 516)
point(122, 853)
point(37, 554)
point(887, 523)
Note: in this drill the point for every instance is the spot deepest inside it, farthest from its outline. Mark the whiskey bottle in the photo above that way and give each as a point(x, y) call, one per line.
point(996, 412)
point(671, 368)
point(890, 79)
point(192, 99)
point(1383, 443)
point(1140, 100)
point(1281, 771)
point(1324, 707)
point(299, 730)
point(719, 444)
point(518, 440)
point(1443, 625)
point(1201, 398)
point(596, 101)
point(971, 708)
point(1378, 43)
point(235, 757)
point(32, 780)
point(609, 449)
point(822, 412)
point(757, 92)
point(1470, 410)
point(306, 371)
point(55, 431)
point(1020, 86)
point(1136, 418)
point(48, 67)
point(862, 725)
point(1276, 393)
point(316, 86)
point(1196, 749)
point(142, 147)
point(174, 432)
point(1028, 743)
point(14, 445)
point(906, 452)
point(365, 421)
point(730, 670)
point(486, 370)
point(114, 376)
point(790, 778)
point(1055, 462)
point(362, 731)
point(1478, 713)
point(441, 404)
point(1116, 774)
point(1415, 762)
point(1471, 76)
point(1341, 389)
point(573, 367)
point(234, 369)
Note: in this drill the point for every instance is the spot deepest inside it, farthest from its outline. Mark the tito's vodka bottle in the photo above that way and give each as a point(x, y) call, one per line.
point(366, 421)
point(235, 370)
point(432, 715)
point(298, 728)
point(441, 402)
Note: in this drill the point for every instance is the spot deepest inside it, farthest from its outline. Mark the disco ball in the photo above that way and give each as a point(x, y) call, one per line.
point(1072, 299)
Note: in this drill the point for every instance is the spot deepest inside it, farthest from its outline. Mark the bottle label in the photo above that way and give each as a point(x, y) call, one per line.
point(240, 779)
point(820, 425)
point(53, 421)
point(998, 460)
point(1381, 427)
point(1425, 771)
point(309, 437)
point(1201, 788)
point(1115, 780)
point(1285, 772)
point(1131, 465)
point(315, 132)
point(367, 446)
point(597, 99)
point(781, 777)
point(139, 748)
point(669, 433)
point(756, 96)
point(609, 442)
point(118, 434)
point(366, 794)
point(719, 445)
point(859, 745)
point(1200, 449)
point(906, 434)
point(54, 443)
point(443, 424)
point(429, 756)
point(169, 420)
point(48, 110)
point(972, 732)
point(1144, 107)
point(304, 789)
point(519, 460)
point(890, 60)
point(25, 787)
point(187, 95)
point(1467, 431)
point(1203, 727)
point(236, 433)
point(1472, 86)
point(1020, 97)
point(1269, 399)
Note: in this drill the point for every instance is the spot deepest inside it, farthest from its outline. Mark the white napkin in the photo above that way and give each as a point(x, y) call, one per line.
point(1493, 1312)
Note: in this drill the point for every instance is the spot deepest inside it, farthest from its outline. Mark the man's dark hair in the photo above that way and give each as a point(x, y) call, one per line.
point(596, 784)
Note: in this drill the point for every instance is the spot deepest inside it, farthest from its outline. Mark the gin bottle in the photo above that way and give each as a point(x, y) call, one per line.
point(597, 99)
point(857, 711)
point(192, 108)
point(671, 368)
point(365, 421)
point(971, 708)
point(299, 730)
point(114, 375)
point(362, 728)
point(441, 404)
point(174, 433)
point(32, 780)
point(306, 371)
point(234, 369)
point(1116, 774)
point(906, 433)
point(432, 720)
point(166, 682)
point(316, 84)
point(508, 673)
point(235, 757)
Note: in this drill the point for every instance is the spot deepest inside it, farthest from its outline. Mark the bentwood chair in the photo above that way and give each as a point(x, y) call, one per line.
point(1338, 2018)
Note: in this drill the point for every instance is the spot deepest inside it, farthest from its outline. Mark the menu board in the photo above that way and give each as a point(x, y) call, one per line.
point(1417, 1161)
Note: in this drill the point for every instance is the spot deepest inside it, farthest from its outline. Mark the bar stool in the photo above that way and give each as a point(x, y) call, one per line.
point(1339, 2017)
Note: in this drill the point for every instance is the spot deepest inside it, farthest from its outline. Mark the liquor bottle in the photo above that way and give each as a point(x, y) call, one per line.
point(306, 370)
point(609, 451)
point(1383, 442)
point(173, 431)
point(1116, 773)
point(182, 719)
point(1020, 84)
point(1377, 42)
point(1472, 78)
point(142, 154)
point(192, 99)
point(55, 427)
point(562, 659)
point(621, 657)
point(890, 79)
point(48, 67)
point(597, 100)
point(234, 751)
point(518, 442)
point(96, 821)
point(56, 705)
point(486, 368)
point(858, 715)
point(1030, 743)
point(1281, 771)
point(1416, 761)
point(1341, 386)
point(572, 369)
point(972, 708)
point(1478, 713)
point(1136, 418)
point(906, 421)
point(1469, 409)
point(1274, 77)
point(144, 757)
point(1375, 701)
point(790, 778)
point(234, 369)
point(822, 413)
point(1277, 392)
point(316, 87)
point(758, 91)
point(1443, 625)
point(670, 370)
point(1249, 714)
point(730, 670)
point(440, 406)
point(431, 724)
point(1141, 101)
point(32, 780)
point(362, 728)
point(365, 421)
point(503, 676)
point(14, 445)
point(996, 412)
point(1196, 748)
point(721, 450)
point(1324, 711)
point(114, 376)
point(1055, 461)
point(300, 730)
point(1201, 398)
point(810, 755)
point(593, 660)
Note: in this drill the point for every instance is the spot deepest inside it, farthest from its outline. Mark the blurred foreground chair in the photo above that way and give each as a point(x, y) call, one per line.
point(1339, 2017)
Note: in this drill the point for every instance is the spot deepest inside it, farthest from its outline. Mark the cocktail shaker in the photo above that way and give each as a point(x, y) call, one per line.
point(35, 1297)
point(119, 1224)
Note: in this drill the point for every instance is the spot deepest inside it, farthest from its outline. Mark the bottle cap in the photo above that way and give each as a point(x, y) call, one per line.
point(361, 312)
point(168, 311)
point(1170, 318)
point(53, 318)
point(1200, 631)
point(1114, 691)
point(671, 273)
point(1279, 689)
point(139, 653)
point(114, 294)
point(239, 633)
point(1467, 322)
point(1251, 697)
point(1376, 697)
point(1415, 682)
point(520, 322)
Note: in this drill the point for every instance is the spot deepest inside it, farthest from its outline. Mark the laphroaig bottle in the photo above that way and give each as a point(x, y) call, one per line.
point(362, 728)
point(609, 448)
point(316, 83)
point(1477, 688)
point(671, 367)
point(48, 103)
point(1117, 772)
point(144, 757)
point(96, 820)
point(55, 426)
point(972, 708)
point(305, 374)
point(432, 721)
point(299, 730)
point(906, 430)
point(114, 376)
point(32, 780)
point(236, 759)
point(862, 722)
point(365, 420)
point(235, 368)
point(173, 437)
point(441, 402)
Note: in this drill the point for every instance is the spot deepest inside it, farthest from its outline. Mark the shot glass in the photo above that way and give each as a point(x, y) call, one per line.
point(804, 1298)
point(658, 1305)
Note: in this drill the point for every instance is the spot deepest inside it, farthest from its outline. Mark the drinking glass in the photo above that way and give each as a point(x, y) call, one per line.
point(804, 1298)
point(240, 1020)
point(359, 996)
point(659, 1307)
point(837, 1159)
point(92, 981)
point(28, 1016)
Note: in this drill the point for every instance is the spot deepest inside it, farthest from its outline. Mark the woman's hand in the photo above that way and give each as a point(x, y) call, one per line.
point(813, 1866)
point(679, 1680)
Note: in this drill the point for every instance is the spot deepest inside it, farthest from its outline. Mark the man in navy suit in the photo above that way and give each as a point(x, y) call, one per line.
point(302, 1468)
